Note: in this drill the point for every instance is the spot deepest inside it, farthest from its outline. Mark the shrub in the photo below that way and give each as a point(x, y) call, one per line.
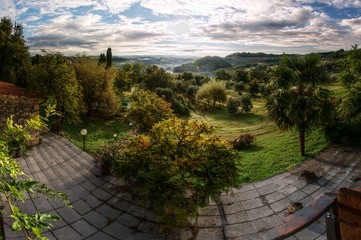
point(244, 140)
point(177, 167)
point(246, 103)
point(232, 105)
point(146, 109)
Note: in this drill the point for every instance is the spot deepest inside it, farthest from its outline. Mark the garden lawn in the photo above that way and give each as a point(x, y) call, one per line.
point(273, 151)
point(100, 132)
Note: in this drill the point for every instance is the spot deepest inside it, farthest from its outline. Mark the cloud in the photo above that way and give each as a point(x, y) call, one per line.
point(7, 8)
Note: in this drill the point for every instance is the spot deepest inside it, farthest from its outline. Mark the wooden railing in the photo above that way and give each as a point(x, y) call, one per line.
point(305, 217)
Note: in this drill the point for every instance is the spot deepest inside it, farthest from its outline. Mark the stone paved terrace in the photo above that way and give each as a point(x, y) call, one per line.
point(103, 209)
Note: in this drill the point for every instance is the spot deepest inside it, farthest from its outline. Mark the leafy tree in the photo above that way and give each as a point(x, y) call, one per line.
point(147, 109)
point(223, 75)
point(212, 91)
point(178, 167)
point(350, 77)
point(246, 103)
point(241, 75)
point(102, 59)
point(97, 85)
point(156, 77)
point(191, 92)
point(298, 102)
point(54, 79)
point(14, 57)
point(253, 88)
point(239, 87)
point(109, 57)
point(233, 105)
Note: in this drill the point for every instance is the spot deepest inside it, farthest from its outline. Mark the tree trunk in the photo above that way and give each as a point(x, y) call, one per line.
point(214, 103)
point(301, 135)
point(58, 122)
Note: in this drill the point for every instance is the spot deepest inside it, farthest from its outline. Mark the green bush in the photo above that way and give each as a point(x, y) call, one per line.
point(178, 167)
point(244, 140)
point(233, 105)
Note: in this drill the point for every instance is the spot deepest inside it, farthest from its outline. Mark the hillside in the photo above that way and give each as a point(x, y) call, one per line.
point(210, 64)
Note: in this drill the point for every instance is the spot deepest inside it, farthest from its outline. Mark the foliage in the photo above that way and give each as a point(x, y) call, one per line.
point(54, 78)
point(192, 91)
point(97, 84)
point(241, 75)
point(102, 59)
point(233, 105)
point(178, 167)
point(14, 57)
point(156, 77)
point(108, 154)
point(243, 140)
point(147, 109)
point(239, 87)
point(253, 88)
point(109, 58)
point(246, 103)
point(15, 187)
point(223, 75)
point(351, 78)
point(212, 91)
point(297, 101)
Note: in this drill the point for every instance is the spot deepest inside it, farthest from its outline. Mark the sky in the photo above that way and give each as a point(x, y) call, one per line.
point(186, 27)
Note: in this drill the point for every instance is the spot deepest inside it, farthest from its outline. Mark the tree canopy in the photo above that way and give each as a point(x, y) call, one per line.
point(214, 91)
point(54, 79)
point(298, 101)
point(14, 57)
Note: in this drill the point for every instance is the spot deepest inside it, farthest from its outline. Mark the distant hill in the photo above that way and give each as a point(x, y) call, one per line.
point(210, 64)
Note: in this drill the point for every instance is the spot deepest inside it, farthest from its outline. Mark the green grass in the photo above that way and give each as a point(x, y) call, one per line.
point(276, 152)
point(273, 151)
point(100, 132)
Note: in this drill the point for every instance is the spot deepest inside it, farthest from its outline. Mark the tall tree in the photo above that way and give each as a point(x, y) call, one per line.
point(298, 101)
point(102, 59)
point(14, 57)
point(109, 57)
point(97, 84)
point(54, 80)
point(350, 77)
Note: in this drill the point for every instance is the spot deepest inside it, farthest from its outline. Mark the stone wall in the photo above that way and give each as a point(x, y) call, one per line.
point(21, 107)
point(19, 103)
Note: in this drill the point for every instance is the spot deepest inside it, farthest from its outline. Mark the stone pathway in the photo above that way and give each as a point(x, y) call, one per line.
point(104, 209)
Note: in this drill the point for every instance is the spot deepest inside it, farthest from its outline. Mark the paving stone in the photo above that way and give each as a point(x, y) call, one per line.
point(128, 220)
point(96, 219)
point(288, 189)
point(92, 201)
point(268, 189)
point(84, 228)
point(231, 208)
point(239, 229)
point(101, 194)
point(273, 197)
point(267, 223)
point(108, 211)
point(81, 207)
point(210, 233)
point(297, 196)
point(253, 203)
point(149, 228)
point(101, 236)
point(68, 214)
point(258, 213)
point(117, 230)
point(280, 206)
point(209, 221)
point(67, 233)
point(238, 217)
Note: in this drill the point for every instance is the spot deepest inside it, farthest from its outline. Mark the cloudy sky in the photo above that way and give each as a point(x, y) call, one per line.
point(187, 27)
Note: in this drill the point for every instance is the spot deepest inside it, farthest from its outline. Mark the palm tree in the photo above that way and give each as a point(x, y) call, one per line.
point(297, 100)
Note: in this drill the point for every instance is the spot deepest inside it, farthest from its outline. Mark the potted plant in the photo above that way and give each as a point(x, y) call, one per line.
point(16, 137)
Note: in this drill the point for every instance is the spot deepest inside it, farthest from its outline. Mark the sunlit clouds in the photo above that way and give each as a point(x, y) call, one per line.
point(186, 27)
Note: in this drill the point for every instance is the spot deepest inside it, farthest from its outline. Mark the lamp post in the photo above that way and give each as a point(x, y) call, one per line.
point(83, 132)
